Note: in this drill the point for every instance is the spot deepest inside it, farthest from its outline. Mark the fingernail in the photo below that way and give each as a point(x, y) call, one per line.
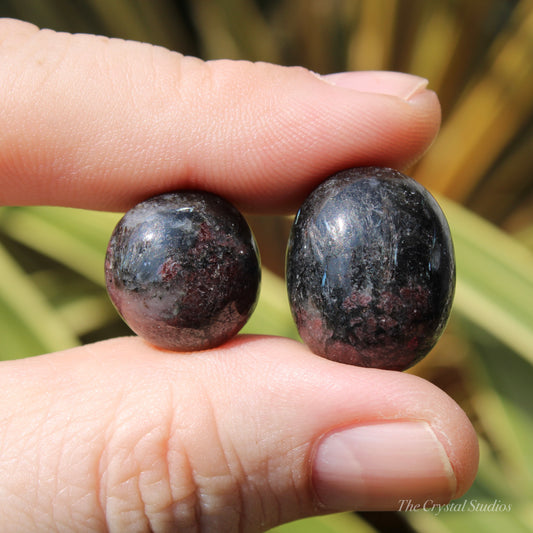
point(404, 86)
point(382, 466)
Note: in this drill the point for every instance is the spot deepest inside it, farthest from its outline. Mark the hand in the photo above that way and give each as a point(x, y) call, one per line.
point(120, 436)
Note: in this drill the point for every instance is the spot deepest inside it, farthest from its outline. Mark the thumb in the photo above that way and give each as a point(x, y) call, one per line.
point(119, 436)
point(99, 123)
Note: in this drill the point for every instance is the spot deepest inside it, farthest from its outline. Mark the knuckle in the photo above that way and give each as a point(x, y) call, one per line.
point(133, 471)
point(157, 476)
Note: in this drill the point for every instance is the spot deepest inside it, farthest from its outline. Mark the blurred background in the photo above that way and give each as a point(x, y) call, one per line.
point(478, 56)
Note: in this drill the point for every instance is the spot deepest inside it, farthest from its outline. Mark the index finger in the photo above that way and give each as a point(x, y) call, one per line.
point(97, 123)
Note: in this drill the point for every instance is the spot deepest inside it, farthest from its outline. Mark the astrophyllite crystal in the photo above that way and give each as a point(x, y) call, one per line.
point(370, 269)
point(183, 270)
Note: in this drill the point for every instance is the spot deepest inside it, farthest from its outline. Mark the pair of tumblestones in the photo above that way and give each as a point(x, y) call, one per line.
point(370, 269)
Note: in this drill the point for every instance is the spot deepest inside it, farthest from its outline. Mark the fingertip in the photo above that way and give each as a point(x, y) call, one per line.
point(399, 84)
point(377, 466)
point(462, 447)
point(421, 451)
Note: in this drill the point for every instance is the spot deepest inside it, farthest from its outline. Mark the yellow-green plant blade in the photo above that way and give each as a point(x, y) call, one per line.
point(272, 315)
point(92, 227)
point(29, 313)
point(334, 523)
point(17, 340)
point(84, 315)
point(502, 400)
point(82, 305)
point(494, 279)
point(73, 237)
point(472, 518)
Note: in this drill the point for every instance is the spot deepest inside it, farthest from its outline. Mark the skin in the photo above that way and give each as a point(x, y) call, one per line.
point(120, 436)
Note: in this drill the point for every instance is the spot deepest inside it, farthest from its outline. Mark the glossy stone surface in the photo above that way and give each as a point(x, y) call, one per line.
point(370, 269)
point(183, 270)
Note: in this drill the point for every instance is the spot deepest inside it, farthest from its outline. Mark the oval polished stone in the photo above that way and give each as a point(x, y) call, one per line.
point(183, 270)
point(371, 269)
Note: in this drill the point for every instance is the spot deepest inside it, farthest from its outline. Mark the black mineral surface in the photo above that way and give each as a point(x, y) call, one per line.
point(183, 270)
point(370, 269)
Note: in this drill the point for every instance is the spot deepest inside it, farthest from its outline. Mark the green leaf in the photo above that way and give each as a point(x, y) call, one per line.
point(502, 401)
point(272, 315)
point(334, 523)
point(17, 339)
point(30, 323)
point(473, 516)
point(73, 237)
point(494, 279)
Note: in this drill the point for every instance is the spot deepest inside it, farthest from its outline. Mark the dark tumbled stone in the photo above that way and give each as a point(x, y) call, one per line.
point(370, 269)
point(183, 270)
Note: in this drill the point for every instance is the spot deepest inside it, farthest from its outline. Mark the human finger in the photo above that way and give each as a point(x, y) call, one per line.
point(103, 123)
point(120, 436)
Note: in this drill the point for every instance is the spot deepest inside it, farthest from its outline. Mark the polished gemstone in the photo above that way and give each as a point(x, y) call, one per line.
point(183, 270)
point(370, 269)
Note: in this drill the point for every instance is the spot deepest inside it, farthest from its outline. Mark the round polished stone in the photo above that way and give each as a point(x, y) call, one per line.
point(183, 270)
point(370, 269)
